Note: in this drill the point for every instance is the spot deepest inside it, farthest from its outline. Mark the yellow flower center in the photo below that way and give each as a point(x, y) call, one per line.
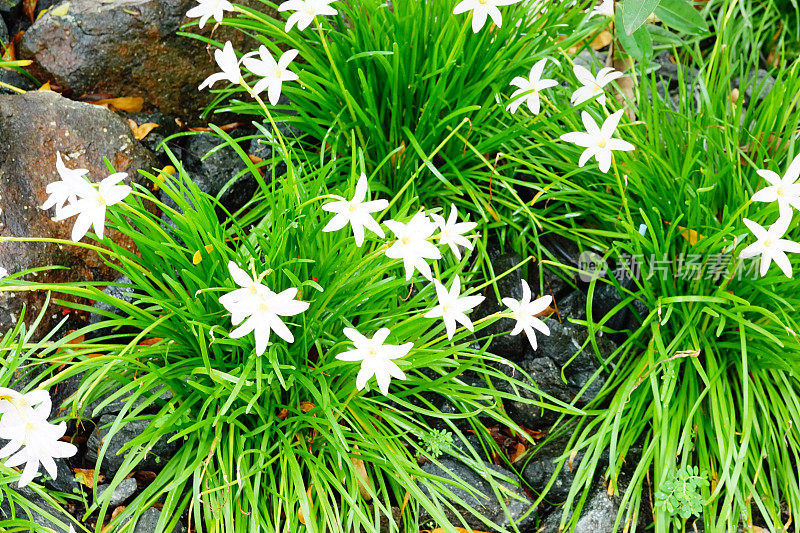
point(780, 191)
point(352, 207)
point(602, 143)
point(405, 240)
point(767, 243)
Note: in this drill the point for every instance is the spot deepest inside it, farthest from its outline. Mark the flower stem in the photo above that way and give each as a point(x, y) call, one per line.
point(339, 79)
point(289, 167)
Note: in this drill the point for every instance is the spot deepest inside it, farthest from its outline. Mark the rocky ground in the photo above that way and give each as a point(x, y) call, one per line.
point(88, 51)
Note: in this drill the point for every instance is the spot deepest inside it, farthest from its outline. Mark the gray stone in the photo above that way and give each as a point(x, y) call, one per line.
point(64, 396)
point(547, 378)
point(598, 515)
point(539, 470)
point(33, 127)
point(155, 459)
point(4, 38)
point(65, 480)
point(119, 494)
point(149, 520)
point(759, 83)
point(591, 59)
point(122, 290)
point(579, 364)
point(484, 500)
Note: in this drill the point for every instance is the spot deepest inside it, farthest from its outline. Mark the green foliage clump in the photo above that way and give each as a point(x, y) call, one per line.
point(437, 441)
point(681, 493)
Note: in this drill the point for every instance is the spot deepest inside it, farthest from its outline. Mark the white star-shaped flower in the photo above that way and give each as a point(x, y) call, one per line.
point(451, 233)
point(528, 91)
point(210, 8)
point(3, 272)
point(452, 306)
point(376, 357)
point(33, 440)
point(260, 308)
point(592, 86)
point(273, 73)
point(240, 302)
point(63, 191)
point(229, 63)
point(599, 142)
point(771, 245)
point(785, 191)
point(356, 212)
point(92, 203)
point(412, 244)
point(605, 9)
point(525, 311)
point(306, 11)
point(481, 9)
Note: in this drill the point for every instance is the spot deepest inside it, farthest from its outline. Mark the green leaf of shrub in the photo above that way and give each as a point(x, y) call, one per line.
point(681, 16)
point(635, 12)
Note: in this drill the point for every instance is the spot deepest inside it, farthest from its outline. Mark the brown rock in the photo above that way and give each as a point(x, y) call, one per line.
point(127, 48)
point(33, 127)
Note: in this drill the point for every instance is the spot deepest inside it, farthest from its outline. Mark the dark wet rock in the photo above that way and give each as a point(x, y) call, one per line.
point(539, 470)
point(65, 481)
point(484, 500)
point(37, 518)
point(508, 346)
point(33, 127)
point(120, 494)
point(8, 6)
point(591, 59)
point(4, 39)
point(547, 378)
point(15, 79)
point(166, 127)
point(122, 290)
point(599, 515)
point(607, 296)
point(155, 459)
point(567, 346)
point(64, 395)
point(148, 522)
point(211, 166)
point(548, 280)
point(671, 77)
point(127, 48)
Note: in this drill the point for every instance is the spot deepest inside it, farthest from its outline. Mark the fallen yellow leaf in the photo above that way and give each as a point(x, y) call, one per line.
point(130, 104)
point(87, 477)
point(197, 258)
point(140, 132)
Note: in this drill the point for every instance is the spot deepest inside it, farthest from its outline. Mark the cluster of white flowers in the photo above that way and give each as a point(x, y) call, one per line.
point(414, 246)
point(33, 440)
point(598, 141)
point(75, 195)
point(272, 73)
point(770, 244)
point(258, 309)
